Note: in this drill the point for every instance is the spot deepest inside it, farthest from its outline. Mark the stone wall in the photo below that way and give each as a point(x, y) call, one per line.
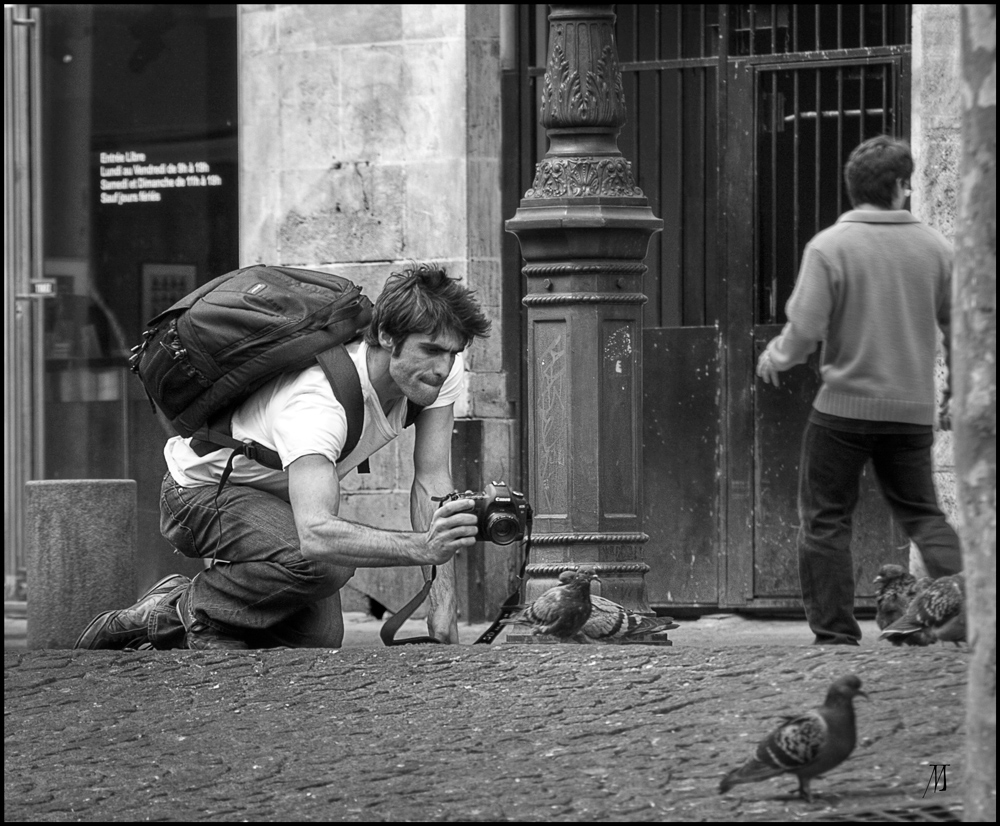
point(369, 136)
point(935, 136)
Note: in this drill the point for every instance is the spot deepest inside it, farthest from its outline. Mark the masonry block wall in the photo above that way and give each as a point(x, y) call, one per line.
point(370, 136)
point(936, 140)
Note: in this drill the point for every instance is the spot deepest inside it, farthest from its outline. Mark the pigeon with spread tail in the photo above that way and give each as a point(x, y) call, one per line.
point(613, 623)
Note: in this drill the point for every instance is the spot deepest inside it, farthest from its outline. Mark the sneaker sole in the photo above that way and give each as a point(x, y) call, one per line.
point(92, 630)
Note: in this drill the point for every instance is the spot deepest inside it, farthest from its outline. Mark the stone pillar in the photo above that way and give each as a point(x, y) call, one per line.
point(584, 228)
point(81, 547)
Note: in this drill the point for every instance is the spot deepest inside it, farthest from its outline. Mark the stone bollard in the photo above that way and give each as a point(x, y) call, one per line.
point(81, 545)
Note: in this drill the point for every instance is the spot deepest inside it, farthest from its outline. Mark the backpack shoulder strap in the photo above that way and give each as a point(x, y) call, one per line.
point(343, 377)
point(219, 433)
point(412, 411)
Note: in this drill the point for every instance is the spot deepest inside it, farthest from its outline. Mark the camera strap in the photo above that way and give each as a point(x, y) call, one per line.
point(388, 631)
point(510, 606)
point(513, 603)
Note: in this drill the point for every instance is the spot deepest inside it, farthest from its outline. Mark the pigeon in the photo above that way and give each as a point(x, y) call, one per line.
point(808, 745)
point(610, 622)
point(938, 609)
point(896, 589)
point(562, 610)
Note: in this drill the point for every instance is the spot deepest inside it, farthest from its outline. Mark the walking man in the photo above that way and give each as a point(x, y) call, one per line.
point(873, 288)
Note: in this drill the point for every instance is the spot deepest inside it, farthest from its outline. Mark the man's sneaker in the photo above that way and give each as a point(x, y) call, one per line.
point(203, 637)
point(128, 627)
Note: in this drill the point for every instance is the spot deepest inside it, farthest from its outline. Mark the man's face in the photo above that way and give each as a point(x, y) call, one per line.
point(422, 364)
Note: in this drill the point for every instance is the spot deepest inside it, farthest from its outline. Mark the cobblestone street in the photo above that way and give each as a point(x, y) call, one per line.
point(507, 732)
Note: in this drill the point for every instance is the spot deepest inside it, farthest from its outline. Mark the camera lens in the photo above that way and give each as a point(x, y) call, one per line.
point(502, 528)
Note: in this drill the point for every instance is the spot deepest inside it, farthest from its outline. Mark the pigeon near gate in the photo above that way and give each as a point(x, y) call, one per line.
point(896, 589)
point(808, 745)
point(562, 610)
point(938, 609)
point(610, 622)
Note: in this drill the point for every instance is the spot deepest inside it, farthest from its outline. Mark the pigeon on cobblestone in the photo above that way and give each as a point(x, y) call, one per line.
point(896, 589)
point(938, 609)
point(562, 610)
point(808, 745)
point(611, 622)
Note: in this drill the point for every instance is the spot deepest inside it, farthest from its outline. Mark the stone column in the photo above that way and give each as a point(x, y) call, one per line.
point(584, 228)
point(81, 555)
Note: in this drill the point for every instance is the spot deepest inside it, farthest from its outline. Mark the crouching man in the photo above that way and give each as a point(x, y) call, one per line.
point(279, 551)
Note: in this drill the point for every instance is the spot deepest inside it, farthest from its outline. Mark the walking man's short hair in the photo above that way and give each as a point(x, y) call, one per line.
point(874, 167)
point(423, 299)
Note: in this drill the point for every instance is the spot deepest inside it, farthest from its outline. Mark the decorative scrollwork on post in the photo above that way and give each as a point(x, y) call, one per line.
point(582, 177)
point(582, 96)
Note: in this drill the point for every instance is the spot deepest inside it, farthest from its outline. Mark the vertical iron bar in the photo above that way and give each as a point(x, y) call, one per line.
point(681, 236)
point(840, 26)
point(886, 129)
point(658, 44)
point(772, 309)
point(863, 91)
point(680, 30)
point(703, 156)
point(796, 214)
point(702, 28)
point(817, 45)
point(840, 137)
point(817, 160)
point(721, 136)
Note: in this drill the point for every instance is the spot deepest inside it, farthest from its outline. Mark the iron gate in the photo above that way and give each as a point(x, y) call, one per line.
point(740, 118)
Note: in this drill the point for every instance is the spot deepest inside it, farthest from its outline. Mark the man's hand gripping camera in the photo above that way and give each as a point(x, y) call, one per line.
point(503, 514)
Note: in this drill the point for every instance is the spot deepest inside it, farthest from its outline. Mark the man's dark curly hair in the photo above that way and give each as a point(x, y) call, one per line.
point(423, 299)
point(874, 167)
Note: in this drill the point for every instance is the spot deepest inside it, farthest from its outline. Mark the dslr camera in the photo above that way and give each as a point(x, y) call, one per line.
point(503, 513)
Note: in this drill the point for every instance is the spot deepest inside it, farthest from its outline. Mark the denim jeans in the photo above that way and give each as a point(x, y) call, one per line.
point(829, 474)
point(258, 586)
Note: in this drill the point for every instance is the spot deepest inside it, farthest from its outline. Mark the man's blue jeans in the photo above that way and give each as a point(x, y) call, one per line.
point(259, 587)
point(829, 474)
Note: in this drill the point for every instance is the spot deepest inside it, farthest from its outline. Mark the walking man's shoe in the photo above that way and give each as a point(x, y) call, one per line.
point(128, 627)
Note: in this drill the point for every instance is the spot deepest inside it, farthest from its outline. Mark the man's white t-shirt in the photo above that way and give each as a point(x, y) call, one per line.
point(296, 415)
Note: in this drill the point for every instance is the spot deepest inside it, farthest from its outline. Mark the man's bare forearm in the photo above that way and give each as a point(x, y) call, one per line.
point(354, 545)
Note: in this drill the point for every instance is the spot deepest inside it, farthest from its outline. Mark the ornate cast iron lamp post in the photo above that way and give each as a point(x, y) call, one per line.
point(584, 228)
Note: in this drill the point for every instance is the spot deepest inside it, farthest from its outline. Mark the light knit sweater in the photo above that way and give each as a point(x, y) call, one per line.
point(873, 287)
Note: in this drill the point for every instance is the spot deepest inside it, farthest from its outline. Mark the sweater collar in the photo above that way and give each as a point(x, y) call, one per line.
point(879, 216)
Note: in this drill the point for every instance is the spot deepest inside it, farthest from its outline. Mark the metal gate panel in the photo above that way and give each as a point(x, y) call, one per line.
point(682, 448)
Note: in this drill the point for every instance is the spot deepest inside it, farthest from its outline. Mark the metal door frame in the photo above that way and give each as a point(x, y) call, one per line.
point(24, 445)
point(737, 587)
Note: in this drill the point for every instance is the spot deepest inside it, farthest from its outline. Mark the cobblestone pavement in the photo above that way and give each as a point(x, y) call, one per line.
point(476, 733)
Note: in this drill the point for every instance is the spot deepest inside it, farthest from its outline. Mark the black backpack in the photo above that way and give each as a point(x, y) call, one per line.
point(207, 353)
